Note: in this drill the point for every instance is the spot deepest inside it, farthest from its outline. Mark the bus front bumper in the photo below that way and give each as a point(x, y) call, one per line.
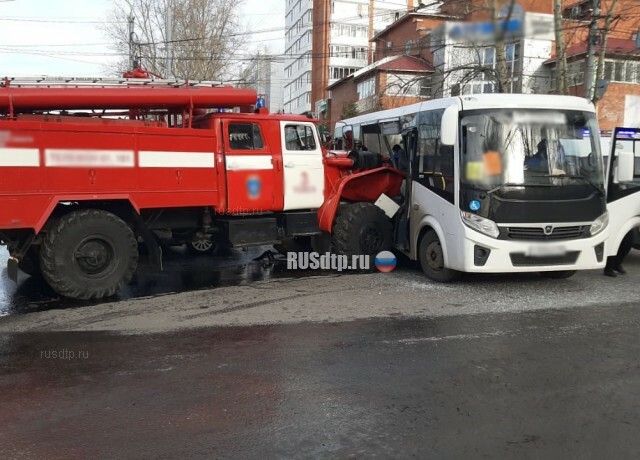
point(484, 254)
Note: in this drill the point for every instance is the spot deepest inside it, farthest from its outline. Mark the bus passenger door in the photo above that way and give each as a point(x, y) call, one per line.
point(623, 198)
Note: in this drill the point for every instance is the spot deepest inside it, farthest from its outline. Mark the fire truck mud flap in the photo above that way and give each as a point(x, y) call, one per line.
point(12, 269)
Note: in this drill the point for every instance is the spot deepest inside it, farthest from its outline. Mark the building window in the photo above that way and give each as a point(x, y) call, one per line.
point(622, 71)
point(408, 46)
point(485, 82)
point(366, 88)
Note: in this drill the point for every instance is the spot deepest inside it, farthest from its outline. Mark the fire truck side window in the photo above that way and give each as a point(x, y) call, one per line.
point(299, 137)
point(245, 136)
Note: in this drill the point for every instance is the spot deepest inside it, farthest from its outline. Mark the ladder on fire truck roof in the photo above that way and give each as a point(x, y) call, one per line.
point(101, 82)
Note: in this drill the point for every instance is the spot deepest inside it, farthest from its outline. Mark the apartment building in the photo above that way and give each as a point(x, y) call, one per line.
point(326, 40)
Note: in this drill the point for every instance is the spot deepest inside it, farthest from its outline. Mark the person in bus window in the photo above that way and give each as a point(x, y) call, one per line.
point(400, 160)
point(539, 161)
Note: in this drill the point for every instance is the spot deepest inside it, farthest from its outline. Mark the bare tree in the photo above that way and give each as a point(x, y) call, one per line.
point(608, 21)
point(204, 36)
point(500, 26)
point(562, 78)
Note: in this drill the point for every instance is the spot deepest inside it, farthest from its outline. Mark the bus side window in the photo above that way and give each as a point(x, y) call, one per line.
point(434, 163)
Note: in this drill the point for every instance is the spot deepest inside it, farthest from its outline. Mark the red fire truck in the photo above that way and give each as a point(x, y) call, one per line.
point(91, 169)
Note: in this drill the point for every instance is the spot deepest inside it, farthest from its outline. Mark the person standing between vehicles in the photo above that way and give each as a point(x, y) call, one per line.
point(400, 160)
point(614, 263)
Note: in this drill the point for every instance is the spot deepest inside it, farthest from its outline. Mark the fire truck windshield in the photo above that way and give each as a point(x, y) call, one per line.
point(530, 148)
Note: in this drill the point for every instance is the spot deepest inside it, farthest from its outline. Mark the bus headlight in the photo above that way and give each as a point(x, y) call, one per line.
point(486, 226)
point(599, 224)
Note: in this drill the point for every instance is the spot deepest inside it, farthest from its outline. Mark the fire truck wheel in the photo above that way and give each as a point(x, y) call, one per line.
point(89, 254)
point(30, 263)
point(201, 244)
point(560, 275)
point(361, 228)
point(432, 259)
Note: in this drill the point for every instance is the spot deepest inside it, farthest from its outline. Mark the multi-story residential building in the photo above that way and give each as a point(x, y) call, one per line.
point(297, 69)
point(327, 40)
point(265, 73)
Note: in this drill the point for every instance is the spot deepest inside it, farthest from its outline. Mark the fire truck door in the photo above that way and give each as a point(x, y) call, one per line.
point(303, 168)
point(252, 185)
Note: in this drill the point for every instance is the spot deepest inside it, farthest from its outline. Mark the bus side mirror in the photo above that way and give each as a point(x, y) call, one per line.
point(624, 169)
point(449, 127)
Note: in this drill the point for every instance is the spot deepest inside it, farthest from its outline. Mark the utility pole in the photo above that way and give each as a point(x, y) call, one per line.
point(168, 73)
point(371, 14)
point(594, 39)
point(132, 58)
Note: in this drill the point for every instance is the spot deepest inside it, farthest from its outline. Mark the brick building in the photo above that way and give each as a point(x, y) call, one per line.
point(620, 103)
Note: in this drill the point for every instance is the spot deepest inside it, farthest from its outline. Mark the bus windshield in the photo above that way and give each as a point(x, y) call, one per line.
point(506, 147)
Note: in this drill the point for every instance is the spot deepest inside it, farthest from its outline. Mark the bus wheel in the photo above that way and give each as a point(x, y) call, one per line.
point(560, 275)
point(30, 263)
point(432, 259)
point(89, 254)
point(361, 229)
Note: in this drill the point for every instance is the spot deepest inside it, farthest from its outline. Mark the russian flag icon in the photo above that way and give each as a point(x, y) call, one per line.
point(385, 261)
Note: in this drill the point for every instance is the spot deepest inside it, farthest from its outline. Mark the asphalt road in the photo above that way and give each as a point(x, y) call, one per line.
point(182, 272)
point(284, 365)
point(540, 384)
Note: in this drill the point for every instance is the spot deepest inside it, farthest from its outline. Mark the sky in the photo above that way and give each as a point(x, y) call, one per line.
point(66, 38)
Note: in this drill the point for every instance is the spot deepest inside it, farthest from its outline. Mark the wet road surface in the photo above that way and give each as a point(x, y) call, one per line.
point(539, 384)
point(182, 272)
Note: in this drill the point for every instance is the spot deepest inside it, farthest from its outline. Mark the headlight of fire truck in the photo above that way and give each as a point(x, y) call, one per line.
point(599, 224)
point(480, 224)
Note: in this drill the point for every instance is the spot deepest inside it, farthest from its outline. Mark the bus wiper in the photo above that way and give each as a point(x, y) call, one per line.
point(575, 176)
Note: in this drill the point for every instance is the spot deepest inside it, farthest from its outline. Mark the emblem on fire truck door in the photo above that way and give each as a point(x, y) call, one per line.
point(254, 187)
point(304, 186)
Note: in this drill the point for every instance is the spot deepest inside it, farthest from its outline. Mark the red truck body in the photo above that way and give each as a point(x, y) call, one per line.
point(152, 158)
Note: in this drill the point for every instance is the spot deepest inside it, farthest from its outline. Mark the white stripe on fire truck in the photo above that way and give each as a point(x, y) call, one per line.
point(248, 162)
point(17, 157)
point(86, 158)
point(155, 159)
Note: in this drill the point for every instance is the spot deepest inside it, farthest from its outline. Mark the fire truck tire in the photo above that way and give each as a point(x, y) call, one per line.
point(30, 263)
point(559, 275)
point(361, 228)
point(432, 259)
point(89, 254)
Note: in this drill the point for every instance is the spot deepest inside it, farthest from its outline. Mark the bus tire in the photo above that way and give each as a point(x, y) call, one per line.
point(432, 259)
point(89, 254)
point(361, 229)
point(559, 275)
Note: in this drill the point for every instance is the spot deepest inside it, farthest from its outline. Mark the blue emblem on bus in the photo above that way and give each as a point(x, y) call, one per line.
point(474, 205)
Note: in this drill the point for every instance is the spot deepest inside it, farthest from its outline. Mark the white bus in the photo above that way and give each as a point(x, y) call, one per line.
point(495, 183)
